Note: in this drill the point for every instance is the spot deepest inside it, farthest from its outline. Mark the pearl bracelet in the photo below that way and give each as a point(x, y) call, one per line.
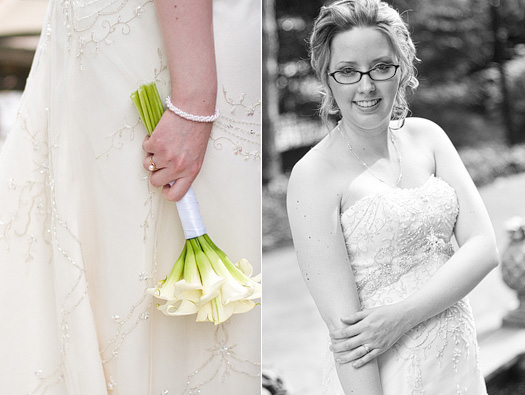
point(191, 117)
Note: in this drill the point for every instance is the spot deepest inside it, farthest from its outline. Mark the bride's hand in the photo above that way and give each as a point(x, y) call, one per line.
point(368, 333)
point(177, 148)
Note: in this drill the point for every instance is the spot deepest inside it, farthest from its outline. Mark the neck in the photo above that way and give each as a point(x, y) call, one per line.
point(372, 140)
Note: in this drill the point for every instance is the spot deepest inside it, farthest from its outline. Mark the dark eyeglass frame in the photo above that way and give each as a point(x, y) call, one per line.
point(362, 73)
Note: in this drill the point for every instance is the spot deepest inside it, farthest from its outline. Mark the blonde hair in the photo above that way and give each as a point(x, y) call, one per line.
point(344, 15)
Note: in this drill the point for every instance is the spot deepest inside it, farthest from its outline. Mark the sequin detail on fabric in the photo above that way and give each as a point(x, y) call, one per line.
point(239, 128)
point(397, 240)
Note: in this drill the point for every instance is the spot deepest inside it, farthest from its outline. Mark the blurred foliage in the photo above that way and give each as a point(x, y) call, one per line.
point(469, 110)
point(455, 42)
point(275, 228)
point(486, 163)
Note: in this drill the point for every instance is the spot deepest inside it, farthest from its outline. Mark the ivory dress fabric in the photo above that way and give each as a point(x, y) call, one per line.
point(397, 240)
point(82, 232)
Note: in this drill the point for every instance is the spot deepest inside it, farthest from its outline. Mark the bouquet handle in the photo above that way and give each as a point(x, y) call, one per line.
point(190, 217)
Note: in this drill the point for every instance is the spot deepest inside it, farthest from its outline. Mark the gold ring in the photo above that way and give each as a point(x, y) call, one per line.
point(152, 167)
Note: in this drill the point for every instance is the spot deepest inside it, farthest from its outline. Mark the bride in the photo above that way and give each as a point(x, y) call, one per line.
point(86, 228)
point(373, 208)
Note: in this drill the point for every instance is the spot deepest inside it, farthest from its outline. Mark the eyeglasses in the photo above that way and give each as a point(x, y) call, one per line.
point(348, 75)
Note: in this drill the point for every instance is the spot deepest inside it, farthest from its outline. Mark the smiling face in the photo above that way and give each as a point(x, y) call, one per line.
point(366, 104)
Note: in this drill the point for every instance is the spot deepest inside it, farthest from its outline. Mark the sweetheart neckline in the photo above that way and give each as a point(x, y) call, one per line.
point(385, 191)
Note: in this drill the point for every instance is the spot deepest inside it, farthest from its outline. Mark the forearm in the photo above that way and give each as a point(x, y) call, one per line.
point(336, 297)
point(187, 30)
point(362, 381)
point(456, 278)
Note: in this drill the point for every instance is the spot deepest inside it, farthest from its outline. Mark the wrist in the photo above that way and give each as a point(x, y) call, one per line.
point(409, 314)
point(200, 99)
point(191, 117)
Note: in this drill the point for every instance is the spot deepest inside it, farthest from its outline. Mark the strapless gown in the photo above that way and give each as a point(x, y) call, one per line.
point(397, 240)
point(83, 233)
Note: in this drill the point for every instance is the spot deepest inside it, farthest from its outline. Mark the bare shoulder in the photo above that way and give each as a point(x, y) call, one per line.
point(430, 136)
point(425, 131)
point(312, 171)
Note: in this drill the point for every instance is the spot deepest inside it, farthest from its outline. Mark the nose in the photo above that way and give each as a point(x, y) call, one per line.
point(366, 84)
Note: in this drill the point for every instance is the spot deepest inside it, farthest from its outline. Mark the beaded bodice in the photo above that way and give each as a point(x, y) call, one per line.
point(398, 238)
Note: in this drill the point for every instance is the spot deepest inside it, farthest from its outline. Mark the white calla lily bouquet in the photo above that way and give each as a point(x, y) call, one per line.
point(203, 280)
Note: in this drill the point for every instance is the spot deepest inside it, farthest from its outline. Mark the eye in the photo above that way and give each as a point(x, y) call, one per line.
point(382, 67)
point(347, 71)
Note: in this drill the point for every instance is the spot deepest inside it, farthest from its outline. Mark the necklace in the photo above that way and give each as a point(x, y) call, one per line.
point(364, 163)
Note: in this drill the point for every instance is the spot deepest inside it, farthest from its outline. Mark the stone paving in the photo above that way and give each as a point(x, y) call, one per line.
point(294, 335)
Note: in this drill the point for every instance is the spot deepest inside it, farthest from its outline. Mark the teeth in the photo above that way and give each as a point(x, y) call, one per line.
point(367, 103)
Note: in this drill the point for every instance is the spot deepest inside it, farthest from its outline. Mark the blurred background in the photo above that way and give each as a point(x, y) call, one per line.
point(472, 83)
point(20, 26)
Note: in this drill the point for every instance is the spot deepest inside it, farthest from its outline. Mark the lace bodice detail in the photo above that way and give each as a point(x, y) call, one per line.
point(397, 233)
point(397, 240)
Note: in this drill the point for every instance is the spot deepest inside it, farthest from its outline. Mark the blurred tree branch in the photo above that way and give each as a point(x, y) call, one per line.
point(271, 158)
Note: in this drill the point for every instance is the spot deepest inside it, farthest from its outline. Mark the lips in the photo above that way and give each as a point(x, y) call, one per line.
point(367, 103)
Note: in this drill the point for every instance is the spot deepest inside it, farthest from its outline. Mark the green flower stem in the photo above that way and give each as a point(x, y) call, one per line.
point(217, 317)
point(211, 249)
point(203, 263)
point(157, 104)
point(147, 111)
point(178, 268)
point(148, 103)
point(136, 100)
point(217, 263)
point(191, 274)
point(149, 96)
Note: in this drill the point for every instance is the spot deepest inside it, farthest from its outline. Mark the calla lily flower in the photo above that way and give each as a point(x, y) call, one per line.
point(203, 281)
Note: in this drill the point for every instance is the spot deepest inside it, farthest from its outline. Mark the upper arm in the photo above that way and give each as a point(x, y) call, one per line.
point(313, 211)
point(473, 219)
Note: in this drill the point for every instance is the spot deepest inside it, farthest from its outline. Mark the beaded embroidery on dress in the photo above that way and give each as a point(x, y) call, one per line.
point(82, 232)
point(397, 239)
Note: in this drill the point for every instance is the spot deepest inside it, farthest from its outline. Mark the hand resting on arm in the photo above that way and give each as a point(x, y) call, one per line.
point(381, 327)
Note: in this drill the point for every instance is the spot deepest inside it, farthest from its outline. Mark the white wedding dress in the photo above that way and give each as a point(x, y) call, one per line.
point(82, 232)
point(397, 240)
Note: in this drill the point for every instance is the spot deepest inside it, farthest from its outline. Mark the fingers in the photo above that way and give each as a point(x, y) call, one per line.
point(354, 355)
point(352, 329)
point(146, 145)
point(151, 163)
point(358, 356)
point(367, 357)
point(175, 192)
point(161, 176)
point(345, 333)
point(355, 318)
point(346, 345)
point(158, 179)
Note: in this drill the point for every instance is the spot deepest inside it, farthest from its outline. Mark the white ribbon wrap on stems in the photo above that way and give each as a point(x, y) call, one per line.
point(190, 217)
